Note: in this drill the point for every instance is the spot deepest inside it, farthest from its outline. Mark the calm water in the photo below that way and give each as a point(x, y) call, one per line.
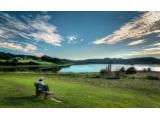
point(98, 67)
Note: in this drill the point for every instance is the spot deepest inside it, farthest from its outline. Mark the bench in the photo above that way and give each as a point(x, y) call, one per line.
point(43, 92)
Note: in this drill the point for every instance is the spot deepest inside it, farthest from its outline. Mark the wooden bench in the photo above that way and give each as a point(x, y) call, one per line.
point(44, 92)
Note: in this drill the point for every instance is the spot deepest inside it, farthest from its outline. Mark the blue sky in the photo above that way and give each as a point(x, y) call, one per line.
point(81, 35)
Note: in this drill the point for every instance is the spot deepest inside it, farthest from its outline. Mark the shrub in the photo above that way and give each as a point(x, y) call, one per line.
point(103, 72)
point(150, 77)
point(122, 70)
point(131, 70)
point(144, 70)
point(149, 70)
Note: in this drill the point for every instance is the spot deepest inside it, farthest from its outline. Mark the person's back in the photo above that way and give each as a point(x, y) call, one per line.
point(39, 85)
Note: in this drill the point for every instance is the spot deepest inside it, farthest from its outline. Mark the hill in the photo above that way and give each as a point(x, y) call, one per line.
point(13, 59)
point(143, 60)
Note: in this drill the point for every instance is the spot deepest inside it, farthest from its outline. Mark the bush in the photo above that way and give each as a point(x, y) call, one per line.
point(150, 77)
point(144, 70)
point(149, 70)
point(122, 70)
point(131, 70)
point(103, 72)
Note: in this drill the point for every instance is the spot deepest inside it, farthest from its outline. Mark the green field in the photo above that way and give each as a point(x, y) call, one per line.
point(36, 61)
point(79, 90)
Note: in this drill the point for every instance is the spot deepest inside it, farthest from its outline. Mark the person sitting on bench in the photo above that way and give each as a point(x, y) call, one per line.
point(39, 86)
point(42, 89)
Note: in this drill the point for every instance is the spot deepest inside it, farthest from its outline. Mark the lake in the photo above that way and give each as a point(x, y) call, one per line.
point(98, 67)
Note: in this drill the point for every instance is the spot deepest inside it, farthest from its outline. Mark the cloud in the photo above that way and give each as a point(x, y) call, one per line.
point(100, 41)
point(146, 23)
point(15, 46)
point(72, 39)
point(156, 44)
point(46, 32)
point(27, 28)
point(1, 32)
point(53, 39)
point(37, 28)
point(30, 47)
point(152, 50)
point(137, 42)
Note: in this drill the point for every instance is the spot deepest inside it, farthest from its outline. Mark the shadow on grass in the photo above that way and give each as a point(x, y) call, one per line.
point(22, 101)
point(32, 97)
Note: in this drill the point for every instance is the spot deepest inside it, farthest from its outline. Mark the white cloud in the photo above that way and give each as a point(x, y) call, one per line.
point(153, 50)
point(15, 46)
point(146, 23)
point(50, 38)
point(1, 32)
point(28, 28)
point(30, 47)
point(72, 39)
point(37, 28)
point(156, 44)
point(100, 41)
point(43, 26)
point(137, 42)
point(12, 22)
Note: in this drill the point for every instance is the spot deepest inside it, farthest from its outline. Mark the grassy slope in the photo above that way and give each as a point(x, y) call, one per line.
point(17, 90)
point(36, 61)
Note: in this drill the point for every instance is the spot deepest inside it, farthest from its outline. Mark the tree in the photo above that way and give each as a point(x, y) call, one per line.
point(131, 70)
point(103, 72)
point(122, 70)
point(149, 69)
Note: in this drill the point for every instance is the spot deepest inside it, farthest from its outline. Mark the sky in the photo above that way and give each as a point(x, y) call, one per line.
point(81, 35)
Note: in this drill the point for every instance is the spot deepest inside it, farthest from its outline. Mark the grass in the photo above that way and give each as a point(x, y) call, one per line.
point(1, 60)
point(36, 61)
point(78, 90)
point(40, 62)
